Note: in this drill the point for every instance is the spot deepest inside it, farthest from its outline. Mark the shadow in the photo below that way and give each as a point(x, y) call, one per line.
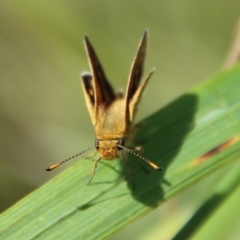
point(161, 137)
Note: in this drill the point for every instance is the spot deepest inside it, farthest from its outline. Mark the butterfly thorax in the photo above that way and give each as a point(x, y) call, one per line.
point(111, 122)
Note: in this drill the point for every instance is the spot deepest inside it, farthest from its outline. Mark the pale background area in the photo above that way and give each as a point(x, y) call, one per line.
point(43, 117)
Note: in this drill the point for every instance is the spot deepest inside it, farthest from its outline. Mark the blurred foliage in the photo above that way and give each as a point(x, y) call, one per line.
point(42, 110)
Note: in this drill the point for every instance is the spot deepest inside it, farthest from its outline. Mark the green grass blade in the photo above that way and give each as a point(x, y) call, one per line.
point(227, 186)
point(174, 137)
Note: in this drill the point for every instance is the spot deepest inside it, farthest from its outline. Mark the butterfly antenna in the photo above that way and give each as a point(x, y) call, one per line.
point(50, 168)
point(153, 165)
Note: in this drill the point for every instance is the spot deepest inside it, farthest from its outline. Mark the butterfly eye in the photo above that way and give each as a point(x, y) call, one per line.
point(97, 144)
point(120, 143)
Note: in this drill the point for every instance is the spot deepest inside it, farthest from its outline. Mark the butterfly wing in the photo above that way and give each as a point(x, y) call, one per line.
point(134, 88)
point(98, 91)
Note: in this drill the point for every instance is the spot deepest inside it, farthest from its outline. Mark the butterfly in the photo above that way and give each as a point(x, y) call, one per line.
point(112, 113)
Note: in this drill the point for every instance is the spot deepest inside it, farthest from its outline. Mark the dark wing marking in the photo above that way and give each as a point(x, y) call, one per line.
point(89, 94)
point(103, 91)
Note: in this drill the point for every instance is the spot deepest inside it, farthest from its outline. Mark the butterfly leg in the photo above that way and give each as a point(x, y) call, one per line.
point(94, 169)
point(92, 155)
point(129, 171)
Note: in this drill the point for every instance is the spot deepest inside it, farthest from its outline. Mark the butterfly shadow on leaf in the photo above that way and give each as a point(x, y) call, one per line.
point(161, 137)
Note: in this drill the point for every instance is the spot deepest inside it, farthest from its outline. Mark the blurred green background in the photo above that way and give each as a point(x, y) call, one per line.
point(43, 118)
